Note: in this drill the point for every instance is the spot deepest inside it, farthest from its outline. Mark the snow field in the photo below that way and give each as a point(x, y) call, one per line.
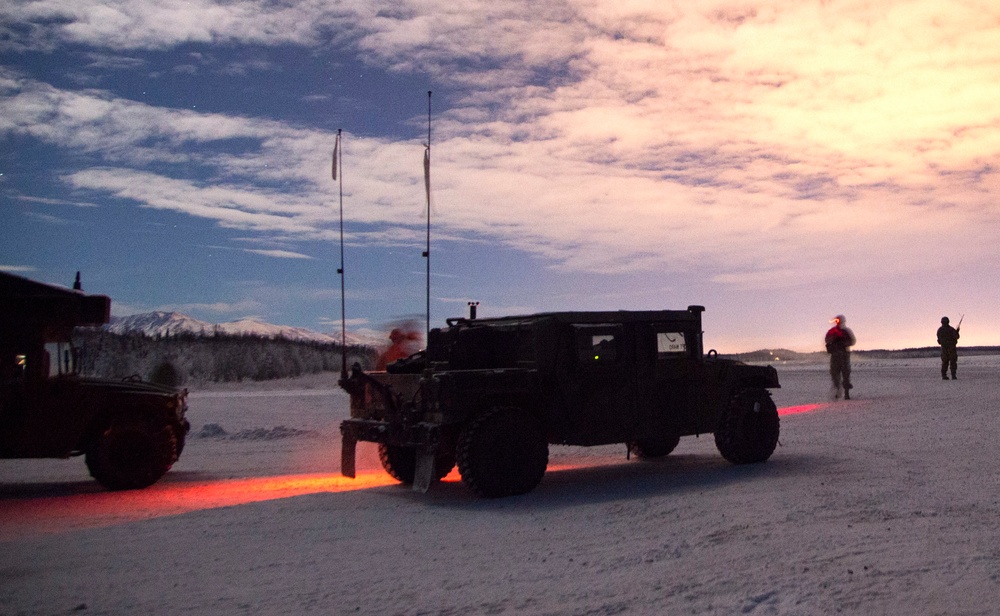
point(885, 504)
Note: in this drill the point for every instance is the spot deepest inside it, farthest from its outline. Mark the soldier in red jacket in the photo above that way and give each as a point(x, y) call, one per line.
point(839, 340)
point(405, 342)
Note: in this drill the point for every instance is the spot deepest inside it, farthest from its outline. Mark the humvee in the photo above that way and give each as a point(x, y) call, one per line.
point(130, 431)
point(492, 394)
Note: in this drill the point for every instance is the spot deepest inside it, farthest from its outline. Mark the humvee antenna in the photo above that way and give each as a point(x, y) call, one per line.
point(338, 157)
point(427, 187)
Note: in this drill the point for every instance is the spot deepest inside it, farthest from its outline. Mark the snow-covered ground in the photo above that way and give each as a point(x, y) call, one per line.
point(885, 504)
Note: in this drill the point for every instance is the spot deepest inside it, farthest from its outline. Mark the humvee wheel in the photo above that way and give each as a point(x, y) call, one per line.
point(401, 462)
point(749, 429)
point(653, 448)
point(502, 452)
point(131, 454)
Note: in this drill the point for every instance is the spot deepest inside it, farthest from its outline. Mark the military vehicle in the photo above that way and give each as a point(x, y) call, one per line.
point(130, 431)
point(492, 394)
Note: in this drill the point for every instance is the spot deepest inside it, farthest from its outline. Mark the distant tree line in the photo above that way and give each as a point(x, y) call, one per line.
point(771, 355)
point(181, 358)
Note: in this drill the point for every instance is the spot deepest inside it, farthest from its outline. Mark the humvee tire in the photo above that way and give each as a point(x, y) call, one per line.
point(653, 448)
point(502, 452)
point(401, 463)
point(748, 431)
point(130, 454)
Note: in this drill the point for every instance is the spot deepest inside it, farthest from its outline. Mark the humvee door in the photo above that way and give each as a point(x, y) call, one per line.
point(666, 371)
point(598, 386)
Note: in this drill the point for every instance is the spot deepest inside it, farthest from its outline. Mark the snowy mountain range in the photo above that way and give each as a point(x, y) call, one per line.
point(160, 323)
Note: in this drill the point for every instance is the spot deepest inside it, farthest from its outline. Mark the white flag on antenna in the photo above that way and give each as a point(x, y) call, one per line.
point(336, 151)
point(427, 174)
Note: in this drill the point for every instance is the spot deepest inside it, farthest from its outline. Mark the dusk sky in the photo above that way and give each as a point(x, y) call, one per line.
point(778, 162)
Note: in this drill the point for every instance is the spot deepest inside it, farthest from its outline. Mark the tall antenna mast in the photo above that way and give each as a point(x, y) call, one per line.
point(427, 186)
point(338, 157)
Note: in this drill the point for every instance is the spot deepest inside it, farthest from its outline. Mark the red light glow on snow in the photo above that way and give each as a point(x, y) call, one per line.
point(32, 516)
point(802, 408)
point(51, 514)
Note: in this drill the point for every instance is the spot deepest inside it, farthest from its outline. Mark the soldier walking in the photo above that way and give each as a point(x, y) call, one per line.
point(839, 340)
point(947, 337)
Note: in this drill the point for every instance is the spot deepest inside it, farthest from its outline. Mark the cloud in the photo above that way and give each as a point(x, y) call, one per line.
point(280, 254)
point(231, 207)
point(353, 323)
point(49, 219)
point(144, 24)
point(756, 141)
point(113, 61)
point(48, 201)
point(240, 307)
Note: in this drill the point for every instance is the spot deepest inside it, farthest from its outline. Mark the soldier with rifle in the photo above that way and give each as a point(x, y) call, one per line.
point(947, 337)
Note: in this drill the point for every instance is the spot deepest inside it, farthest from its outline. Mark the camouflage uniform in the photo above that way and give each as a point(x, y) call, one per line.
point(838, 340)
point(947, 337)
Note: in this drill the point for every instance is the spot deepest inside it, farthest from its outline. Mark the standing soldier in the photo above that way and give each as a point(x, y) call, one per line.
point(947, 337)
point(839, 340)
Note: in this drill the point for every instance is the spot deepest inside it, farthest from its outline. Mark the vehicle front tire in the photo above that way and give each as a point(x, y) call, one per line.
point(401, 462)
point(502, 452)
point(131, 454)
point(647, 448)
point(749, 429)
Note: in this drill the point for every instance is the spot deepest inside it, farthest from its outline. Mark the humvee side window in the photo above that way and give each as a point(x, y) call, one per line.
point(603, 347)
point(597, 345)
point(670, 343)
point(61, 358)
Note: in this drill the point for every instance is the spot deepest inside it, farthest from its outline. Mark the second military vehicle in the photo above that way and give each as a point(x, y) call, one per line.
point(492, 394)
point(129, 431)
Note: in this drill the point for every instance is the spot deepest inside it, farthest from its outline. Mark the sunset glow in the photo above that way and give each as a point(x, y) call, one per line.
point(786, 159)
